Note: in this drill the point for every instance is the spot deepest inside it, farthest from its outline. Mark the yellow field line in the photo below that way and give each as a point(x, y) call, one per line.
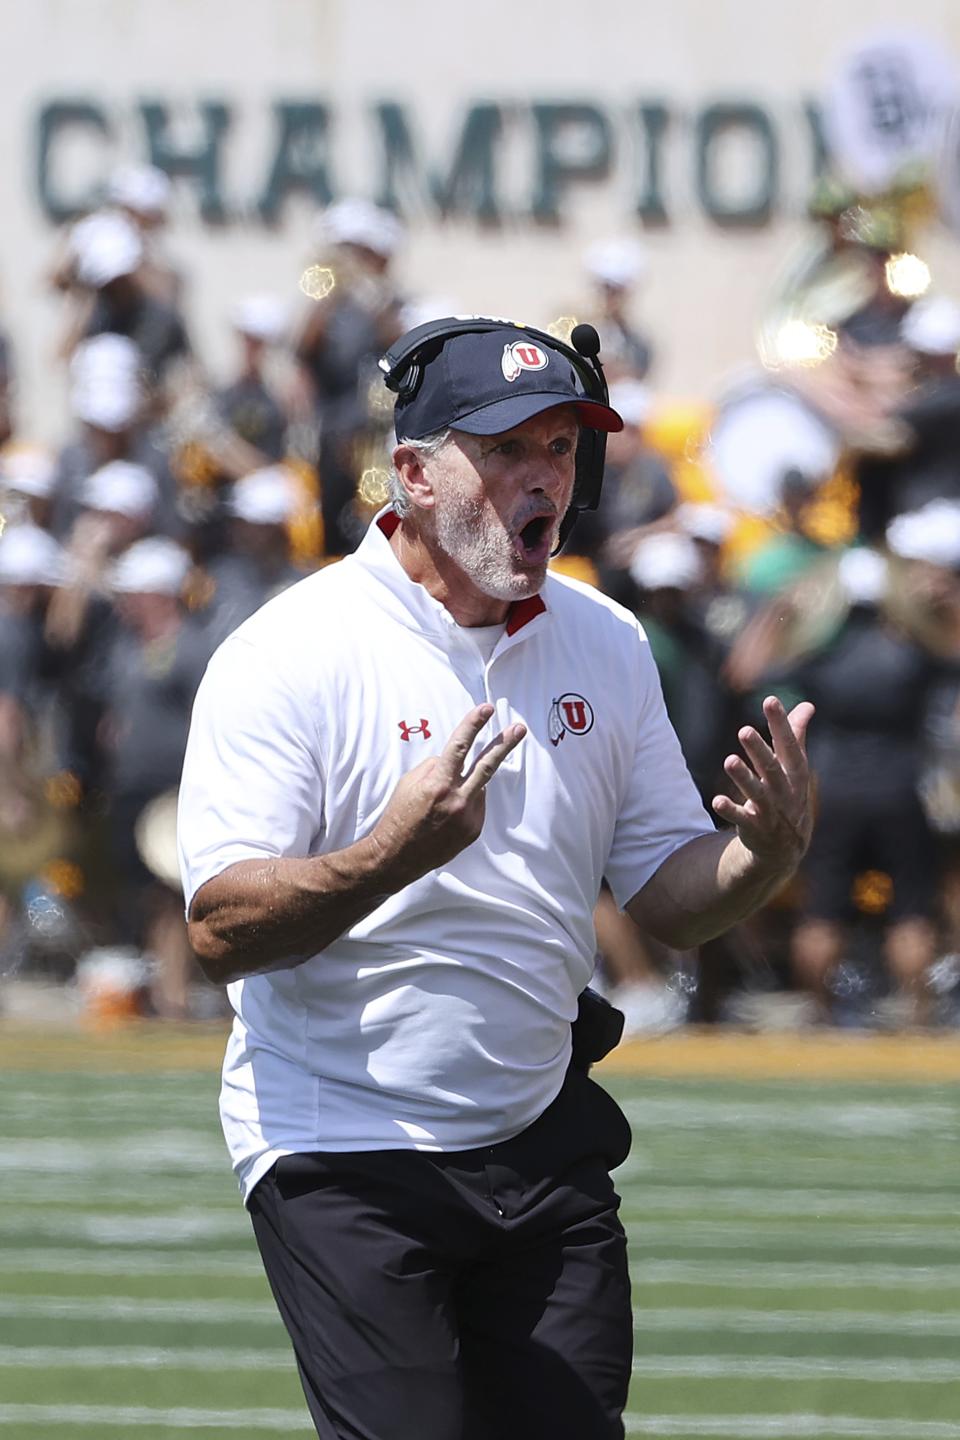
point(138, 1046)
point(823, 1055)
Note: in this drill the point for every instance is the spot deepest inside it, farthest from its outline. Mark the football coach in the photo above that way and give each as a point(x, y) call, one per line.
point(406, 778)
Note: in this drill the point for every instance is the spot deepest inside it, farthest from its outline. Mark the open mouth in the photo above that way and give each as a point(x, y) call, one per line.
point(534, 539)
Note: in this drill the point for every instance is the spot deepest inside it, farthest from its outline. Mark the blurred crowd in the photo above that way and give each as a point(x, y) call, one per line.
point(798, 533)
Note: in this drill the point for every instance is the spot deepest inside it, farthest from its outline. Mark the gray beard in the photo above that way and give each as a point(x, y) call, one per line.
point(482, 550)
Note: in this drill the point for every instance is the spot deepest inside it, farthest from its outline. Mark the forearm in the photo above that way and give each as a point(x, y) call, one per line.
point(704, 888)
point(273, 914)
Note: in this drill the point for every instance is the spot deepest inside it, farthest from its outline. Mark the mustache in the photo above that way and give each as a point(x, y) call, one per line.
point(535, 510)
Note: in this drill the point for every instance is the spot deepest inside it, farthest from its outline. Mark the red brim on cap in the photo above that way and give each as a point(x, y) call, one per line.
point(503, 415)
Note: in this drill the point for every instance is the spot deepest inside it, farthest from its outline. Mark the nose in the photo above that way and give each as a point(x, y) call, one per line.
point(547, 474)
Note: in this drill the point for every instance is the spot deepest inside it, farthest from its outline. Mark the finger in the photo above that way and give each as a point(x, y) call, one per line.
point(789, 732)
point(490, 759)
point(746, 781)
point(765, 762)
point(451, 759)
point(731, 813)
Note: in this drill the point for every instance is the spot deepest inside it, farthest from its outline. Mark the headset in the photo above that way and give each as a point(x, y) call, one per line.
point(404, 363)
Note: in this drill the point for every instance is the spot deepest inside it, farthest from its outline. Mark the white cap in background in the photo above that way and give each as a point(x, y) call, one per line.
point(931, 533)
point(28, 470)
point(155, 566)
point(360, 222)
point(105, 387)
point(617, 263)
point(666, 561)
point(29, 556)
point(262, 317)
point(144, 189)
point(712, 523)
point(632, 400)
point(863, 574)
point(265, 497)
point(105, 246)
point(932, 326)
point(424, 308)
point(120, 488)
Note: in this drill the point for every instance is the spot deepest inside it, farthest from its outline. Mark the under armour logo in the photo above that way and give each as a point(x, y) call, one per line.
point(407, 730)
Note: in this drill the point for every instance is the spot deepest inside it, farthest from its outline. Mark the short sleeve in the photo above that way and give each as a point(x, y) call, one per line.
point(661, 808)
point(252, 783)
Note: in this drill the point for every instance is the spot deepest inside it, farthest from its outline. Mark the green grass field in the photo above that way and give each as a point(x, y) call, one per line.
point(795, 1255)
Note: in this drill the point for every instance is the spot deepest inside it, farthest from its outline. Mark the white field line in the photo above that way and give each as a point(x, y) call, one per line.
point(118, 1307)
point(820, 1235)
point(788, 1367)
point(158, 1151)
point(653, 1322)
point(136, 1262)
point(799, 1201)
point(794, 1322)
point(149, 1229)
point(132, 1417)
point(142, 1357)
point(694, 1367)
point(180, 1226)
point(737, 1427)
point(701, 1169)
point(795, 1427)
point(785, 1275)
point(760, 1274)
point(825, 1119)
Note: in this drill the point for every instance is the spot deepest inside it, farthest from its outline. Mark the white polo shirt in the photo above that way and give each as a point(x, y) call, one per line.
point(442, 1020)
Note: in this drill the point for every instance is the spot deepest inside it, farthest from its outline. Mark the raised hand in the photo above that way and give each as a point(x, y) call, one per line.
point(437, 810)
point(775, 817)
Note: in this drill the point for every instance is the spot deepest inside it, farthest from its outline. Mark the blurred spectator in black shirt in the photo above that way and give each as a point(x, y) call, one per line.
point(27, 476)
point(31, 565)
point(108, 399)
point(107, 253)
point(637, 490)
point(6, 389)
point(668, 574)
point(155, 661)
point(616, 267)
point(867, 637)
point(118, 503)
point(249, 405)
point(258, 562)
point(355, 318)
point(927, 467)
point(142, 194)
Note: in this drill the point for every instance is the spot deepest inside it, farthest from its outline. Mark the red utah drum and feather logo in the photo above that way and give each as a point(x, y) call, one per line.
point(522, 355)
point(570, 715)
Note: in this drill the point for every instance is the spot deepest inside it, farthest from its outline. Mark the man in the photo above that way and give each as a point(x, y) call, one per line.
point(405, 780)
point(342, 337)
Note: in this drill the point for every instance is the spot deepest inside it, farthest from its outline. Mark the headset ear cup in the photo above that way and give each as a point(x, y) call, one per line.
point(591, 451)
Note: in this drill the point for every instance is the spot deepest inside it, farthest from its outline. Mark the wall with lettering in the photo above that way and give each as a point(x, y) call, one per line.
point(508, 138)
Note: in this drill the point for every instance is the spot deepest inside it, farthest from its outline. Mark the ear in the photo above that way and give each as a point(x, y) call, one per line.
point(409, 465)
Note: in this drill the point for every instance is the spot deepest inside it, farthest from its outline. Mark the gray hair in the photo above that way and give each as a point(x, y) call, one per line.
point(426, 448)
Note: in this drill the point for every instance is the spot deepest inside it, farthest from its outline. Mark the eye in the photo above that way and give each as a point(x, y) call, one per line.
point(563, 445)
point(510, 448)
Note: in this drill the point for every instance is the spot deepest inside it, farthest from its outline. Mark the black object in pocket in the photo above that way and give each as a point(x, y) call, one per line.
point(597, 1029)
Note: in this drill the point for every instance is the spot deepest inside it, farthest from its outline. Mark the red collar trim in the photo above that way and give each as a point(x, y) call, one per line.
point(521, 612)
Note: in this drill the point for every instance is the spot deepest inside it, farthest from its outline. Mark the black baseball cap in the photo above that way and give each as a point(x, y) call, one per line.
point(487, 382)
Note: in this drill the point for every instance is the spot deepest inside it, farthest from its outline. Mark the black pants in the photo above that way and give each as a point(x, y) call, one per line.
point(475, 1295)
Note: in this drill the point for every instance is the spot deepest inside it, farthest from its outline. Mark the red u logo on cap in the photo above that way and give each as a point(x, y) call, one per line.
point(522, 355)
